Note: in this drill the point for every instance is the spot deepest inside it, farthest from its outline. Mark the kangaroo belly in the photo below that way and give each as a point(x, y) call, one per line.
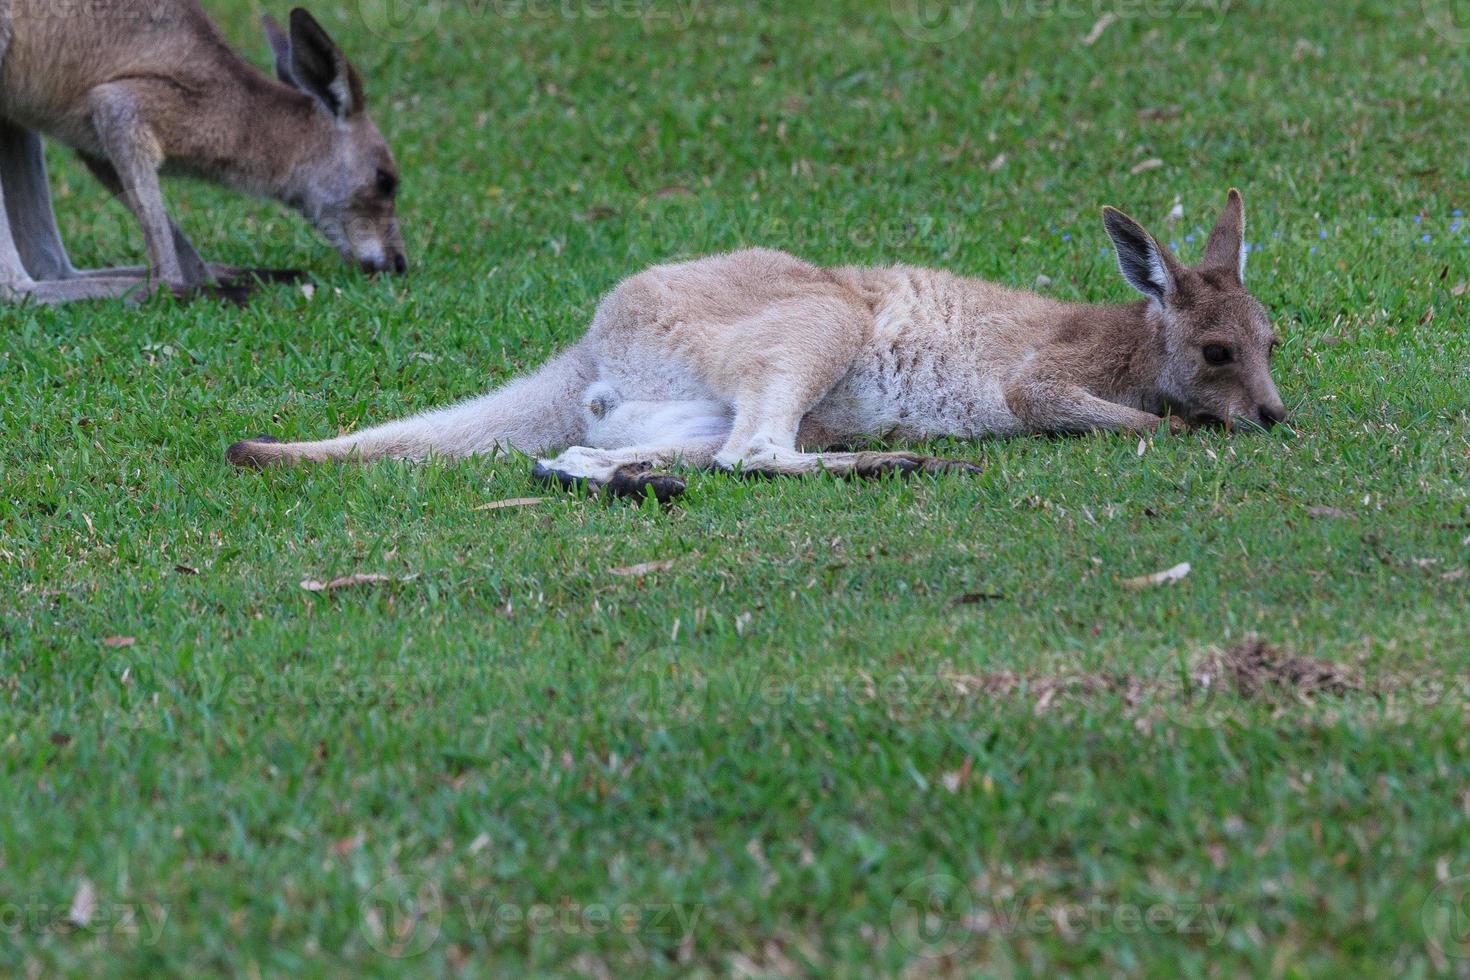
point(906, 391)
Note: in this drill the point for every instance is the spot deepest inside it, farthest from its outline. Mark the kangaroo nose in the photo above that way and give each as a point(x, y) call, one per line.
point(1271, 414)
point(400, 263)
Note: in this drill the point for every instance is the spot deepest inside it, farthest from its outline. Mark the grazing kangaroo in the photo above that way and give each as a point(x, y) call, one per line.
point(738, 360)
point(143, 87)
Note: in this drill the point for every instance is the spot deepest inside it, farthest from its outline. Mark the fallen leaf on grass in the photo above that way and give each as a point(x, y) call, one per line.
point(186, 569)
point(83, 905)
point(1324, 512)
point(954, 780)
point(346, 581)
point(646, 568)
point(1460, 289)
point(1153, 163)
point(598, 212)
point(347, 845)
point(514, 502)
point(1158, 112)
point(60, 739)
point(1158, 578)
point(975, 598)
point(118, 641)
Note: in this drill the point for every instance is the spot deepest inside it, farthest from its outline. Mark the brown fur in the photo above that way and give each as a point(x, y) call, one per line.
point(142, 87)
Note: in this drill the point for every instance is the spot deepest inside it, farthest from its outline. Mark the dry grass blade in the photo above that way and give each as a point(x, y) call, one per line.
point(83, 905)
point(346, 581)
point(1102, 24)
point(1158, 578)
point(646, 568)
point(513, 502)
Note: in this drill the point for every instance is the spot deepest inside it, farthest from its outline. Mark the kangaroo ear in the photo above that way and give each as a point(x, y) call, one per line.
point(1147, 266)
point(320, 69)
point(1226, 247)
point(281, 48)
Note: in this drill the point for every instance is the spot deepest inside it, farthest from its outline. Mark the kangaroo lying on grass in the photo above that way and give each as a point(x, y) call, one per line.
point(143, 86)
point(738, 360)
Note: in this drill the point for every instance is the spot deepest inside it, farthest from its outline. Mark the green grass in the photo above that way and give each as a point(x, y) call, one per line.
point(740, 761)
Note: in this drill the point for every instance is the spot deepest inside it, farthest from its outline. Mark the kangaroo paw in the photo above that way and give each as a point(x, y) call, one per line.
point(629, 481)
point(236, 292)
point(256, 276)
point(252, 454)
point(905, 464)
point(638, 479)
point(934, 464)
point(566, 481)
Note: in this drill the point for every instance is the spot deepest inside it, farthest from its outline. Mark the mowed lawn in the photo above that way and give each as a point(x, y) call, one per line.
point(829, 728)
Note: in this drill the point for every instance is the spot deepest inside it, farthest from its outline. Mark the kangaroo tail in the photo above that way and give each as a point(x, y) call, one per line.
point(541, 411)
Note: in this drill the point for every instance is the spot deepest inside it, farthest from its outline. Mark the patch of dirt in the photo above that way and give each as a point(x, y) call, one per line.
point(1255, 668)
point(1252, 671)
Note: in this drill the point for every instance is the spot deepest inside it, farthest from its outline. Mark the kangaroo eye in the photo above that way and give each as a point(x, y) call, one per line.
point(1218, 354)
point(387, 184)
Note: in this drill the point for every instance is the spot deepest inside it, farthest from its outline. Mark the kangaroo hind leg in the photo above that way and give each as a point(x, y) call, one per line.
point(772, 403)
point(628, 441)
point(776, 461)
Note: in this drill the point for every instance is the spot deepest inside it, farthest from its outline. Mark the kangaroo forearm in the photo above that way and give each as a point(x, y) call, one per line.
point(1058, 408)
point(134, 153)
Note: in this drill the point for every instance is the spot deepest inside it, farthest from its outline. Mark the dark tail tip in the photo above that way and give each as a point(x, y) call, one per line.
point(251, 454)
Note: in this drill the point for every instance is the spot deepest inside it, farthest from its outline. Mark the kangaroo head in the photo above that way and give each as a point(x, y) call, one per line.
point(347, 183)
point(1216, 338)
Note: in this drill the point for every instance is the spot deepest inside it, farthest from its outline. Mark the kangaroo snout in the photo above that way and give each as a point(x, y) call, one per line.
point(1271, 413)
point(374, 244)
point(394, 262)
